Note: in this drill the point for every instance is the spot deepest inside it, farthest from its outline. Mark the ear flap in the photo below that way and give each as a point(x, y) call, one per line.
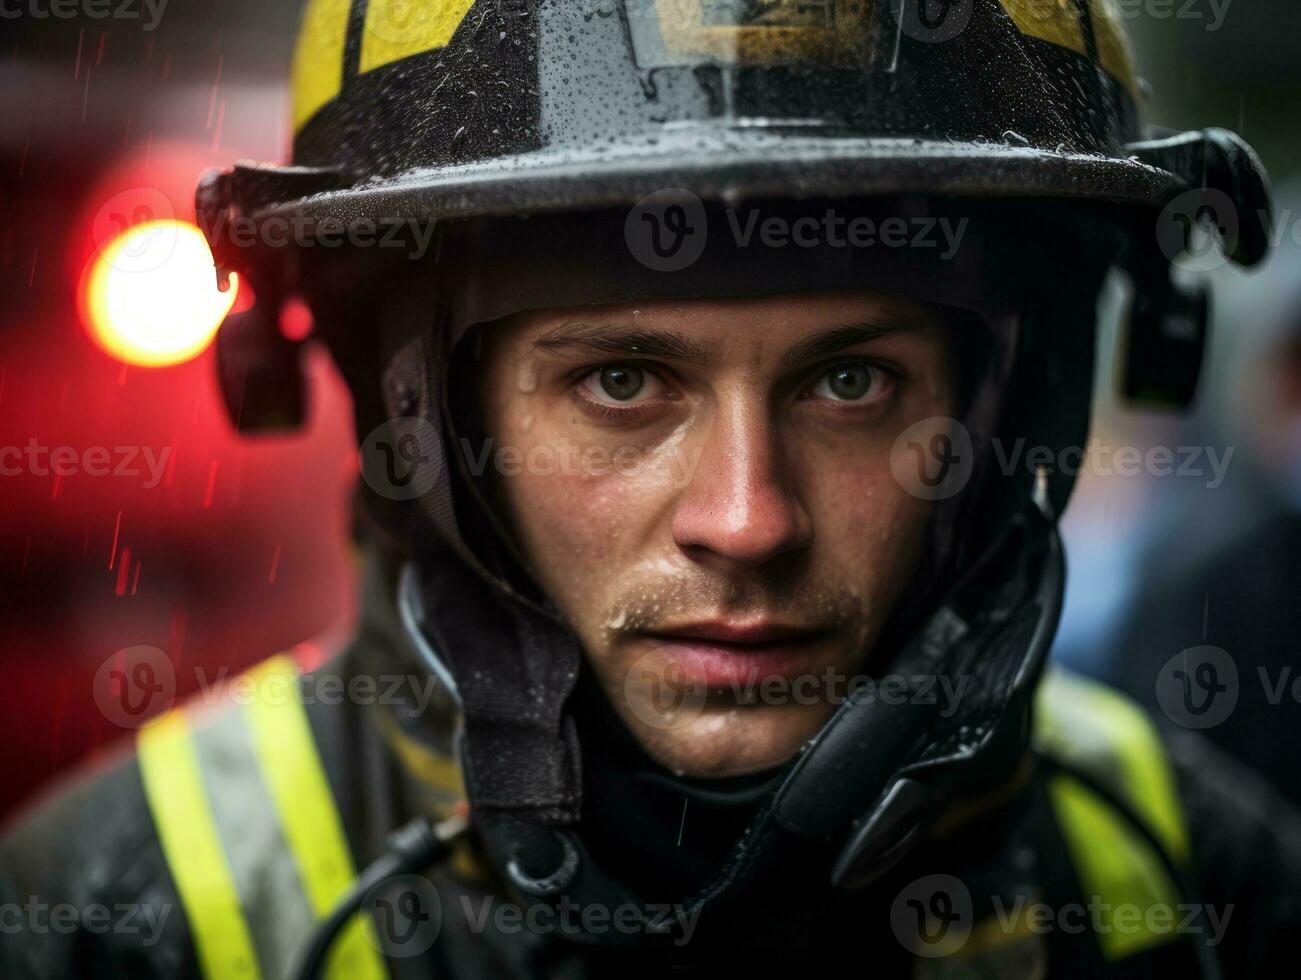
point(1168, 324)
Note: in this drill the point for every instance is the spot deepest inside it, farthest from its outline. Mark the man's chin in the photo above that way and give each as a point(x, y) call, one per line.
point(719, 742)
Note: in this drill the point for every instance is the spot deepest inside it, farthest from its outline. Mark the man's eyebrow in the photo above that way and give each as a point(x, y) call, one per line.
point(835, 339)
point(610, 339)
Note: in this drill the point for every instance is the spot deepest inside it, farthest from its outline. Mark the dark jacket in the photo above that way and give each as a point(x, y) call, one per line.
point(213, 846)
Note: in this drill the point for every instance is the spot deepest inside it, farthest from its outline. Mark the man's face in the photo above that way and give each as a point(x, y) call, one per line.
point(704, 489)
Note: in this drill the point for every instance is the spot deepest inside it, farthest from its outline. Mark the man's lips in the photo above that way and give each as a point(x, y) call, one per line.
point(721, 654)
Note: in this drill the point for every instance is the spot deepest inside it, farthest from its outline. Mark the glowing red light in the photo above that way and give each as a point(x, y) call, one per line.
point(296, 320)
point(151, 296)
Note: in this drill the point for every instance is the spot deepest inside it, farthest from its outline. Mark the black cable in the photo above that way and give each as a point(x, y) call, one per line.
point(411, 848)
point(1207, 961)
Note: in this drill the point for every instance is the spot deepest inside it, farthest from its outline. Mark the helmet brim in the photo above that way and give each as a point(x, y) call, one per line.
point(736, 166)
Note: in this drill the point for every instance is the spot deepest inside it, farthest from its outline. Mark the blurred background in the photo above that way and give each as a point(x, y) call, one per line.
point(131, 514)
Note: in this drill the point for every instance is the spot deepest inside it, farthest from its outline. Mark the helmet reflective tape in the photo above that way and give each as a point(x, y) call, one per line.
point(247, 821)
point(400, 28)
point(318, 56)
point(1067, 23)
point(1104, 734)
point(691, 32)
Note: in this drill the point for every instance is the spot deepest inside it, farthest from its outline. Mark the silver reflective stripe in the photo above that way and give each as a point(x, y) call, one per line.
point(261, 863)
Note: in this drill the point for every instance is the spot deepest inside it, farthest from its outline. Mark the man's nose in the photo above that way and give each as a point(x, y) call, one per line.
point(741, 506)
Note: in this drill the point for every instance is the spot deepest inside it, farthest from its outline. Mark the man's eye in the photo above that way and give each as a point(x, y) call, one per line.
point(852, 383)
point(617, 382)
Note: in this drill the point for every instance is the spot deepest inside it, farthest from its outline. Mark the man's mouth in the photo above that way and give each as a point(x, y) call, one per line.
point(737, 654)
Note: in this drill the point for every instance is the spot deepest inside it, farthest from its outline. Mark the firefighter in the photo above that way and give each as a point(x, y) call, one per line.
point(705, 619)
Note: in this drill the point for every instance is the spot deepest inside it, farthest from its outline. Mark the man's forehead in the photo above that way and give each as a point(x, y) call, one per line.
point(794, 328)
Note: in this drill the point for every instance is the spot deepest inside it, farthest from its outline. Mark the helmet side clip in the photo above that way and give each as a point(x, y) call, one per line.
point(1227, 208)
point(257, 363)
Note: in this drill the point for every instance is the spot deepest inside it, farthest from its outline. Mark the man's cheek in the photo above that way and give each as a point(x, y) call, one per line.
point(572, 519)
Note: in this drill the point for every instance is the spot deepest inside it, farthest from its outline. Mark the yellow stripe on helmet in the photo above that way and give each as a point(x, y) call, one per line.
point(318, 57)
point(1059, 22)
point(400, 28)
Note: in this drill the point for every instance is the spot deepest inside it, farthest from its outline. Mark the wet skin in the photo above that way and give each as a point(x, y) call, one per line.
point(704, 488)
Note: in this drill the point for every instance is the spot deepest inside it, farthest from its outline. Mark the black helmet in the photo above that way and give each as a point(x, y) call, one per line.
point(537, 134)
point(426, 111)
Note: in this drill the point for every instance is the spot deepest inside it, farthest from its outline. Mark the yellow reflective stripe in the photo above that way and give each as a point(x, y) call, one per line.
point(291, 768)
point(1103, 731)
point(1118, 870)
point(1105, 734)
point(318, 57)
point(187, 832)
point(400, 28)
point(1058, 22)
